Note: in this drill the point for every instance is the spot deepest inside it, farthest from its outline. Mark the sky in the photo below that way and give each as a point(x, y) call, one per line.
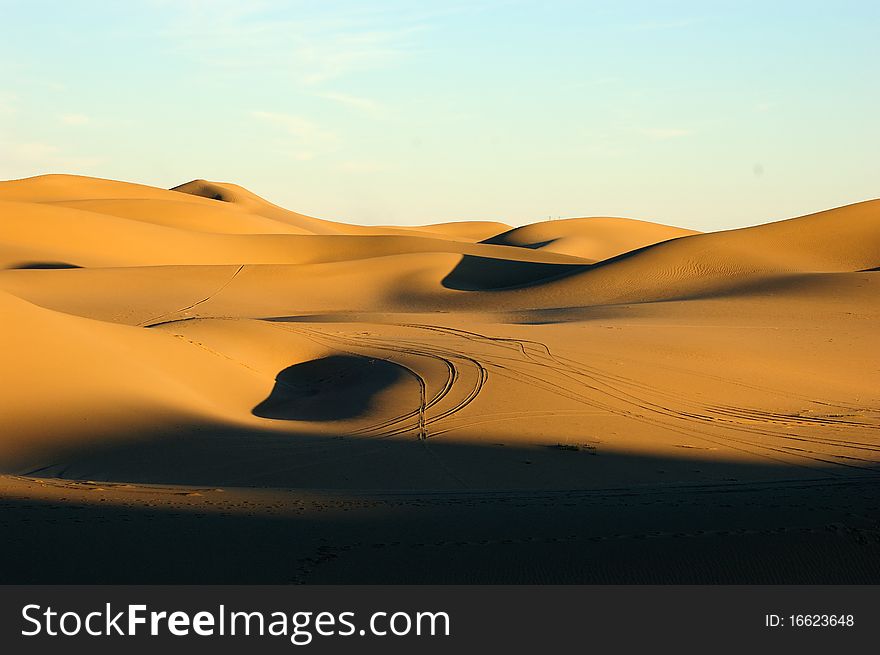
point(707, 115)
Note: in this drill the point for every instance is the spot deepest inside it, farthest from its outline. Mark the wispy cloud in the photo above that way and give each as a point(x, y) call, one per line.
point(356, 166)
point(310, 138)
point(8, 103)
point(655, 25)
point(340, 53)
point(74, 119)
point(315, 46)
point(35, 157)
point(663, 134)
point(356, 102)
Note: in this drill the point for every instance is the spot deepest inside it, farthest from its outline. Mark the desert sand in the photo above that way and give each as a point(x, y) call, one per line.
point(201, 386)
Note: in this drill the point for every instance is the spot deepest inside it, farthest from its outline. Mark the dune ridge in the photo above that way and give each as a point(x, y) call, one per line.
point(593, 239)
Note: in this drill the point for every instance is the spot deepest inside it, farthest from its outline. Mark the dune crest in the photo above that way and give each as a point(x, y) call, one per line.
point(593, 239)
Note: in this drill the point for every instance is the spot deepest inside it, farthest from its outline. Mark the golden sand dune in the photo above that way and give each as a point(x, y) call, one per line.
point(243, 200)
point(170, 228)
point(836, 241)
point(203, 336)
point(593, 239)
point(131, 310)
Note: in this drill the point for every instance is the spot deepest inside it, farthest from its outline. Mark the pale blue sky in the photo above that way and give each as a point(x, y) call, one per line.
point(701, 114)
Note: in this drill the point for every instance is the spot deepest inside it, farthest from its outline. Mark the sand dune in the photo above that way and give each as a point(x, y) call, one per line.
point(204, 336)
point(84, 224)
point(593, 239)
point(242, 199)
point(836, 241)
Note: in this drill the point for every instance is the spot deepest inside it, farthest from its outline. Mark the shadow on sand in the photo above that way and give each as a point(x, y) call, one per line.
point(402, 511)
point(484, 274)
point(42, 266)
point(327, 389)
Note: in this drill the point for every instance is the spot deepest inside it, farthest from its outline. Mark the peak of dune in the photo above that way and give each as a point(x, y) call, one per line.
point(471, 230)
point(745, 260)
point(52, 221)
point(223, 191)
point(593, 238)
point(62, 187)
point(238, 196)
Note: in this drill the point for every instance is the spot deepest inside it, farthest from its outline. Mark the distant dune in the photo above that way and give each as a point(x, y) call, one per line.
point(204, 336)
point(593, 239)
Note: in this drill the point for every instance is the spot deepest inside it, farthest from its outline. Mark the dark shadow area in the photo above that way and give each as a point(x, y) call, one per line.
point(556, 315)
point(410, 512)
point(546, 316)
point(474, 273)
point(482, 273)
point(499, 240)
point(42, 265)
point(328, 389)
point(205, 189)
point(769, 285)
point(218, 455)
point(810, 531)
